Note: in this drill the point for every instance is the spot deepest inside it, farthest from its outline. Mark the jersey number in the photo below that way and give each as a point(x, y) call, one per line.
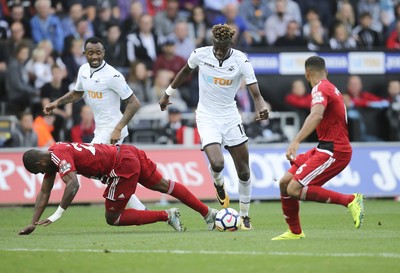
point(79, 146)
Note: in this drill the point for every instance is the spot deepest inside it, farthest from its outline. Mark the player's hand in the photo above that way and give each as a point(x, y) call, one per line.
point(27, 230)
point(263, 114)
point(115, 136)
point(291, 151)
point(44, 222)
point(48, 109)
point(164, 102)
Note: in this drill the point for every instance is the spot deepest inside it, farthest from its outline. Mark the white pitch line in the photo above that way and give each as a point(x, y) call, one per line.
point(208, 252)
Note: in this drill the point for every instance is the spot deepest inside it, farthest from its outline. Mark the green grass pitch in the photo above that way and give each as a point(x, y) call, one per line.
point(82, 242)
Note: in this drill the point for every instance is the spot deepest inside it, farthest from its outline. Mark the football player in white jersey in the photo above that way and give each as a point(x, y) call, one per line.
point(221, 70)
point(102, 88)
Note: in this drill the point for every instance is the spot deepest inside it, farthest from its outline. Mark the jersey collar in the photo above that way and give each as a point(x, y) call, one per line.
point(94, 70)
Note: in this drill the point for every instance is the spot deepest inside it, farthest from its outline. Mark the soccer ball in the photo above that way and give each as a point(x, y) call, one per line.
point(227, 220)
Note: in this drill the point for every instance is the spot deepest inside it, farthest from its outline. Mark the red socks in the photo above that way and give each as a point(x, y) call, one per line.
point(291, 209)
point(321, 195)
point(180, 192)
point(135, 217)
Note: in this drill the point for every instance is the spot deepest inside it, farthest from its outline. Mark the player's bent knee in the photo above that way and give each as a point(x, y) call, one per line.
point(217, 166)
point(294, 190)
point(112, 220)
point(244, 177)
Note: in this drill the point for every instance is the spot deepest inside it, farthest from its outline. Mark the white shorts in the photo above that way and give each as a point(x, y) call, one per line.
point(104, 138)
point(229, 132)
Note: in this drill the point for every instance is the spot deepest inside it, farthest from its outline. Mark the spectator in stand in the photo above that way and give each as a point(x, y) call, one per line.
point(38, 68)
point(4, 60)
point(292, 8)
point(91, 8)
point(325, 9)
point(298, 97)
point(73, 59)
point(4, 30)
point(24, 135)
point(81, 31)
point(354, 99)
point(21, 94)
point(46, 26)
point(276, 24)
point(317, 39)
point(141, 84)
point(392, 25)
point(393, 111)
point(168, 59)
point(17, 15)
point(292, 38)
point(366, 37)
point(70, 22)
point(168, 134)
point(393, 41)
point(341, 39)
point(50, 92)
point(131, 23)
point(361, 98)
point(17, 38)
point(255, 12)
point(144, 44)
point(154, 6)
point(84, 131)
point(115, 46)
point(103, 19)
point(197, 26)
point(165, 20)
point(373, 7)
point(299, 101)
point(43, 126)
point(311, 15)
point(214, 8)
point(232, 17)
point(345, 15)
point(184, 44)
point(187, 6)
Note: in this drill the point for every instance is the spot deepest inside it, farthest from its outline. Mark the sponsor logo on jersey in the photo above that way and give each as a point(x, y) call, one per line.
point(317, 97)
point(207, 64)
point(218, 81)
point(64, 166)
point(94, 94)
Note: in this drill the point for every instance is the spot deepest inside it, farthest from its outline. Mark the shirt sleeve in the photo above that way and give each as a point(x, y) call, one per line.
point(193, 60)
point(78, 84)
point(247, 71)
point(118, 84)
point(63, 160)
point(319, 96)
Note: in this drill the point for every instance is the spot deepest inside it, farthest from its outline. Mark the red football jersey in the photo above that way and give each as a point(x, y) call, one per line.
point(90, 160)
point(333, 127)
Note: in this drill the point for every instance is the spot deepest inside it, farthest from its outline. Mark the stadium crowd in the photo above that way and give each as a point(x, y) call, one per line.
point(149, 41)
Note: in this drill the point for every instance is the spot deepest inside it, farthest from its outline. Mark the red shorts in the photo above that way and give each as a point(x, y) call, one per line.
point(131, 167)
point(316, 166)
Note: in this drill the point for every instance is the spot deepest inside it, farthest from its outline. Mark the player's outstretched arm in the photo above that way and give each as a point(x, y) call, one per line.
point(178, 80)
point(71, 96)
point(42, 200)
point(259, 102)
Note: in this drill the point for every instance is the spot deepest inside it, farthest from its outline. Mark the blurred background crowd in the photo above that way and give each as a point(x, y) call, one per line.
point(41, 50)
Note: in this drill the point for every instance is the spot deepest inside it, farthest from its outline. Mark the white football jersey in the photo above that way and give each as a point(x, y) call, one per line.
point(219, 83)
point(104, 88)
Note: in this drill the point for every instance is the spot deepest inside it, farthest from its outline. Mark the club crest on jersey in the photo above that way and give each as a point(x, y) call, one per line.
point(317, 97)
point(64, 166)
point(94, 94)
point(232, 68)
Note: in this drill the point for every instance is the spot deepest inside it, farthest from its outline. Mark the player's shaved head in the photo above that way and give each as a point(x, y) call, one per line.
point(315, 63)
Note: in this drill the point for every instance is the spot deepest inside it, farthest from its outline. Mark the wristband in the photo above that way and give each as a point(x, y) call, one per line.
point(169, 91)
point(56, 215)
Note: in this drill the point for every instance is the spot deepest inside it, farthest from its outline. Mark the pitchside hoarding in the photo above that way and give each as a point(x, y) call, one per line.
point(374, 171)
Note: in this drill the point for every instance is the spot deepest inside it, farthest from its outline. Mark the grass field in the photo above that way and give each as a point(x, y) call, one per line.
point(82, 242)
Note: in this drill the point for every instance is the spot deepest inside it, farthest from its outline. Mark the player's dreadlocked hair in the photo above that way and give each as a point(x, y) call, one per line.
point(223, 32)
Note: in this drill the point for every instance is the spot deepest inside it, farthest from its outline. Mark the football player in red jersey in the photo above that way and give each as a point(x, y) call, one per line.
point(121, 168)
point(311, 170)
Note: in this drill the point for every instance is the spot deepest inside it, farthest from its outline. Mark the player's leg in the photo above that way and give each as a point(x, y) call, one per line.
point(179, 191)
point(240, 156)
point(211, 138)
point(216, 159)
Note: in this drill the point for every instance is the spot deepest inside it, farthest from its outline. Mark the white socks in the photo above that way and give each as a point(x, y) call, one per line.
point(135, 203)
point(218, 177)
point(244, 196)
